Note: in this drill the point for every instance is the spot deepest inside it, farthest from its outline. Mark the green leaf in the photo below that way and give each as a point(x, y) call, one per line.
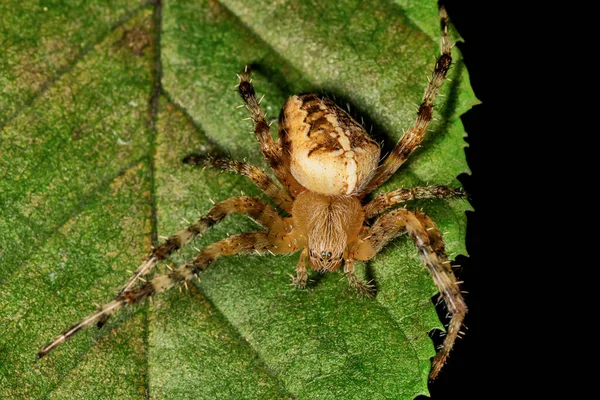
point(90, 170)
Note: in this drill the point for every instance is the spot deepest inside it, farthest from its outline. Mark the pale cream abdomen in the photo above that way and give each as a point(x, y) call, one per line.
point(328, 152)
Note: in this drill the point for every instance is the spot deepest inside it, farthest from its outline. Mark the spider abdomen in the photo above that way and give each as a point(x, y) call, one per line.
point(328, 152)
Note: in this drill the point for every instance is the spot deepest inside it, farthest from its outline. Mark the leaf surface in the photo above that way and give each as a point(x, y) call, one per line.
point(90, 169)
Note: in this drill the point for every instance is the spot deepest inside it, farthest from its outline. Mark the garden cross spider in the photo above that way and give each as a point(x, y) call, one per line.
point(328, 164)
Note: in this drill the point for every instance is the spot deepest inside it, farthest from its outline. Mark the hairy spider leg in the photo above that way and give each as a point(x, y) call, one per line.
point(261, 242)
point(270, 149)
point(258, 210)
point(301, 277)
point(430, 243)
point(452, 295)
point(256, 175)
point(386, 200)
point(413, 137)
point(363, 288)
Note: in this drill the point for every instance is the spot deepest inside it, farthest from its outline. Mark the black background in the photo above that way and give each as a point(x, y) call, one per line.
point(466, 375)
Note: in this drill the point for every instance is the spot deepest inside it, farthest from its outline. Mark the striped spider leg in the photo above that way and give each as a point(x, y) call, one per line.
point(429, 241)
point(256, 209)
point(276, 240)
point(216, 214)
point(414, 136)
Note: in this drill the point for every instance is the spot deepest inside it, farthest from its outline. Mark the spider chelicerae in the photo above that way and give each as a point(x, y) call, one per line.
point(328, 164)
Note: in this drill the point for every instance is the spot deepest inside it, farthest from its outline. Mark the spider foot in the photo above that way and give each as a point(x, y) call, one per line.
point(299, 282)
point(436, 366)
point(366, 289)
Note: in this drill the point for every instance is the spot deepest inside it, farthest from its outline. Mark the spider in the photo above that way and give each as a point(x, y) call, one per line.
point(327, 164)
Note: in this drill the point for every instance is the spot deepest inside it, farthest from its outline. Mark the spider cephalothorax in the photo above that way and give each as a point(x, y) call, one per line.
point(326, 224)
point(327, 164)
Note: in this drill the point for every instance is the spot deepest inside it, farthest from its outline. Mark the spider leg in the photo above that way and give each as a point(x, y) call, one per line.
point(452, 295)
point(258, 210)
point(413, 137)
point(270, 149)
point(301, 275)
point(386, 200)
point(256, 175)
point(363, 288)
point(260, 242)
point(430, 243)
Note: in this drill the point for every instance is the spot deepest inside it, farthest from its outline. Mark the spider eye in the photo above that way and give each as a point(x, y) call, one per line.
point(328, 254)
point(322, 254)
point(340, 256)
point(312, 253)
